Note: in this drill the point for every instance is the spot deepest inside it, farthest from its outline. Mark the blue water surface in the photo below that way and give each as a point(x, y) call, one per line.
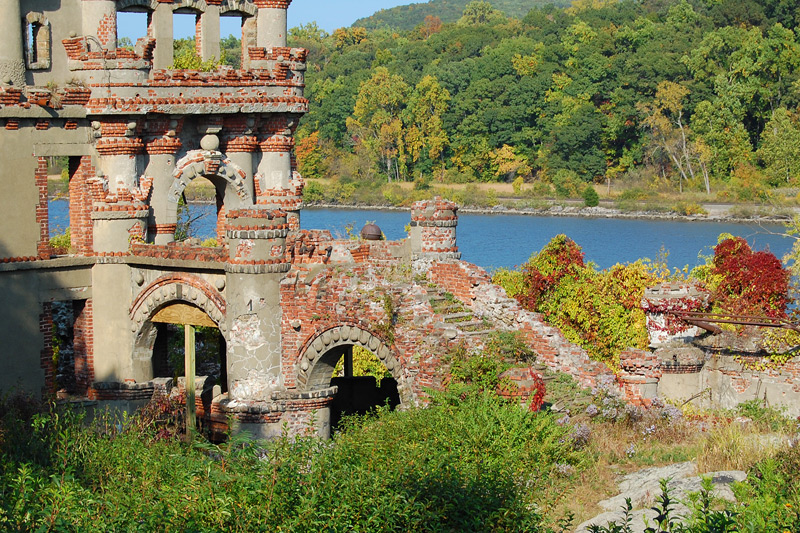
point(494, 241)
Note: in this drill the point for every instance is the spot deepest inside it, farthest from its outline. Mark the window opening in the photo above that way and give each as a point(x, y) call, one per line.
point(58, 175)
point(198, 211)
point(185, 45)
point(363, 382)
point(37, 41)
point(231, 32)
point(132, 26)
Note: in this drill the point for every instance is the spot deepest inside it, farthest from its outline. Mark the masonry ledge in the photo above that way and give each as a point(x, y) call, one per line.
point(35, 111)
point(181, 264)
point(49, 264)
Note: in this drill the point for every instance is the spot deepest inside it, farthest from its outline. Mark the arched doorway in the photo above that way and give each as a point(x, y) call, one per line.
point(188, 310)
point(317, 370)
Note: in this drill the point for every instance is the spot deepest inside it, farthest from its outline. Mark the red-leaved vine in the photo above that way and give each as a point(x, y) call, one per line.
point(749, 283)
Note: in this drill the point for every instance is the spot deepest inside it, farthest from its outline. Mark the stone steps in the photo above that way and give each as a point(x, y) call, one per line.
point(452, 317)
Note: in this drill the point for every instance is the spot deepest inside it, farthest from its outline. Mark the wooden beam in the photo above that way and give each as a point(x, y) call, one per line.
point(189, 360)
point(183, 314)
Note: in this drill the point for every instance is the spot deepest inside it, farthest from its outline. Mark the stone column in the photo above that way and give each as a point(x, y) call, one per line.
point(275, 167)
point(240, 144)
point(162, 144)
point(163, 55)
point(209, 31)
point(121, 216)
point(255, 268)
point(100, 20)
point(12, 60)
point(272, 23)
point(433, 230)
point(118, 147)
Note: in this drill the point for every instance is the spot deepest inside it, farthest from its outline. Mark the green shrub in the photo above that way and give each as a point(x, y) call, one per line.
point(590, 197)
point(313, 192)
point(481, 465)
point(62, 243)
point(566, 183)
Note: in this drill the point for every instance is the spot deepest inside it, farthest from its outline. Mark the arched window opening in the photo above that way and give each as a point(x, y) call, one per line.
point(201, 212)
point(37, 41)
point(186, 46)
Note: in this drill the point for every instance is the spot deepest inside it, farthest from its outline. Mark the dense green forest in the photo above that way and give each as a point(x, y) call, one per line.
point(409, 16)
point(697, 95)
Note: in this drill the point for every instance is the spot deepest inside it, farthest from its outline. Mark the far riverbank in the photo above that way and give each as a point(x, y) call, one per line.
point(730, 213)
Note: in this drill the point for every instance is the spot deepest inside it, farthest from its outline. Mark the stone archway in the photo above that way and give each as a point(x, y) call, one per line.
point(239, 6)
point(169, 290)
point(213, 165)
point(319, 357)
point(134, 5)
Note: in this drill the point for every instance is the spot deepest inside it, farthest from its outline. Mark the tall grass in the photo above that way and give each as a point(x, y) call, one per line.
point(481, 465)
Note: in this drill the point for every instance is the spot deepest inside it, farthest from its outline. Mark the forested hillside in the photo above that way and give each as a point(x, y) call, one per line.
point(672, 95)
point(408, 16)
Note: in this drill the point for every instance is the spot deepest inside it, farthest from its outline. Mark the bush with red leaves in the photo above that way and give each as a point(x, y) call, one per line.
point(749, 283)
point(559, 258)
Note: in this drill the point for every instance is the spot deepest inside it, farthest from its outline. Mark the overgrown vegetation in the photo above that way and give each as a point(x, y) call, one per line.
point(601, 309)
point(478, 466)
point(468, 462)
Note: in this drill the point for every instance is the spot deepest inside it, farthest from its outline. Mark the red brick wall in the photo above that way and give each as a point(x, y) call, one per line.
point(83, 345)
point(80, 205)
point(43, 246)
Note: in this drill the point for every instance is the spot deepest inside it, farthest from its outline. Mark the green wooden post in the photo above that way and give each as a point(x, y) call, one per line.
point(188, 350)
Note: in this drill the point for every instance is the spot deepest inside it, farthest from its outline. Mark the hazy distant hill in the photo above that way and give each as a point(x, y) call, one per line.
point(408, 16)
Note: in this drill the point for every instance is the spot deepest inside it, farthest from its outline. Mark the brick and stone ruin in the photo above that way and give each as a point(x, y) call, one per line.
point(285, 304)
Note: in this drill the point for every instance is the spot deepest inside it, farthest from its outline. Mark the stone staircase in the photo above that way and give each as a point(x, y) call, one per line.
point(457, 317)
point(457, 320)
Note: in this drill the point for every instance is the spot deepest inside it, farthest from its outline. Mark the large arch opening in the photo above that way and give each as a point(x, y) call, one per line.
point(181, 335)
point(221, 183)
point(333, 358)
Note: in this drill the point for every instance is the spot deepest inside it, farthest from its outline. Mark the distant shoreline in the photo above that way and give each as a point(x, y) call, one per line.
point(585, 212)
point(716, 212)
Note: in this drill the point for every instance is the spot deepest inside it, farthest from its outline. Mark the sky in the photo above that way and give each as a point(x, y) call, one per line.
point(328, 14)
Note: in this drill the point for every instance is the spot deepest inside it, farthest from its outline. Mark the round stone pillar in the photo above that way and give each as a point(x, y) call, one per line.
point(12, 59)
point(257, 262)
point(100, 20)
point(163, 219)
point(271, 21)
point(433, 229)
point(275, 167)
point(118, 160)
point(240, 145)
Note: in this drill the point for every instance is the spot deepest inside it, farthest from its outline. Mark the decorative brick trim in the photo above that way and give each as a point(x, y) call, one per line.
point(119, 146)
point(163, 145)
point(272, 4)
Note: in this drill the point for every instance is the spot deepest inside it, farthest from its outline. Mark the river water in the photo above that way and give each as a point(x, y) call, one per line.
point(494, 241)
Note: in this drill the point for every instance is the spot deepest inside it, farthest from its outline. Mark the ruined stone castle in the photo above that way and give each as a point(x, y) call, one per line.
point(288, 303)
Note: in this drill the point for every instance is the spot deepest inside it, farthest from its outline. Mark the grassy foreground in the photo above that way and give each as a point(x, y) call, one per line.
point(476, 464)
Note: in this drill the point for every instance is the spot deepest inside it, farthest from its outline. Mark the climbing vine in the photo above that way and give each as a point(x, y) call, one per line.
point(599, 310)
